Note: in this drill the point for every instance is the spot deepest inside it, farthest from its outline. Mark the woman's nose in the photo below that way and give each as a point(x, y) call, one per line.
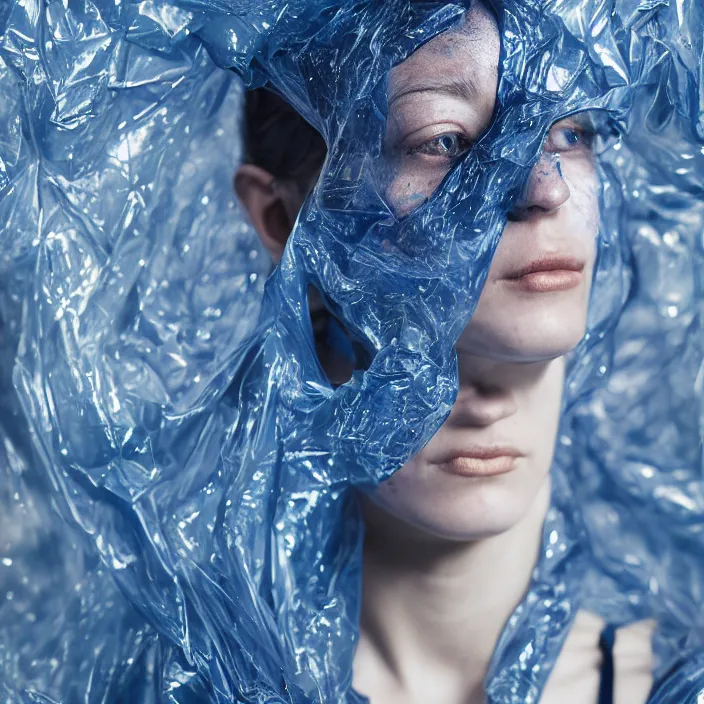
point(545, 191)
point(479, 407)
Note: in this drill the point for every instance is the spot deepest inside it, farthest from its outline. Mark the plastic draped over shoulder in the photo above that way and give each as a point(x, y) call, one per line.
point(187, 448)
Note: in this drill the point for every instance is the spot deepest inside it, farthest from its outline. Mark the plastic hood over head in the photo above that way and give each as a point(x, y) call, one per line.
point(172, 437)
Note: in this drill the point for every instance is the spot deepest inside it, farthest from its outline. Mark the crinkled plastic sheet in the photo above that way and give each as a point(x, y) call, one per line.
point(189, 466)
point(116, 172)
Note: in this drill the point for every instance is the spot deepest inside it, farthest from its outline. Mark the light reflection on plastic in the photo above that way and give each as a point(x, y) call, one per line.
point(152, 416)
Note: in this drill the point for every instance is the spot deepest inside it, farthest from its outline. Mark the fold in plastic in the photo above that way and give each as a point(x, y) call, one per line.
point(178, 520)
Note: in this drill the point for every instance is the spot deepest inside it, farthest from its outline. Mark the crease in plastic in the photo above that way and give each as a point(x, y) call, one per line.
point(169, 440)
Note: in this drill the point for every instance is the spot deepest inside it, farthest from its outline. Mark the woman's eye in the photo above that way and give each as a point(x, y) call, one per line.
point(448, 146)
point(565, 138)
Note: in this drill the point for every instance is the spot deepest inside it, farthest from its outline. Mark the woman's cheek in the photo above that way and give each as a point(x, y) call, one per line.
point(411, 186)
point(583, 183)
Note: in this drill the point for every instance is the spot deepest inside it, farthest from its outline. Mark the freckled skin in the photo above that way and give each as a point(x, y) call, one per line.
point(558, 215)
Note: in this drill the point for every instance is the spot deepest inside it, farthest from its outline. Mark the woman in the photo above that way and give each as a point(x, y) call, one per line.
point(452, 537)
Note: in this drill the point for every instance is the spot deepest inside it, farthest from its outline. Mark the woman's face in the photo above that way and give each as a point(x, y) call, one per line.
point(441, 100)
point(533, 306)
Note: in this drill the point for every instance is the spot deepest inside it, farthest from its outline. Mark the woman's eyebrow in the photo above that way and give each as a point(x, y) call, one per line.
point(462, 87)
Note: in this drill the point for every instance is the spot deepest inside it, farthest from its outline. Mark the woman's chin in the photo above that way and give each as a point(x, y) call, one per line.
point(525, 340)
point(464, 531)
point(460, 526)
point(460, 509)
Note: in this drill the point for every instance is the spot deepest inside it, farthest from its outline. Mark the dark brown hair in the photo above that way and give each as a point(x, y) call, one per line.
point(279, 140)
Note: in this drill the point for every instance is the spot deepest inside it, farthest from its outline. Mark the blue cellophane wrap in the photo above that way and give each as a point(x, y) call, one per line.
point(177, 518)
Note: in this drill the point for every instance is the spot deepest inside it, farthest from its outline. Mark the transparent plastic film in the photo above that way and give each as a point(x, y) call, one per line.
point(172, 439)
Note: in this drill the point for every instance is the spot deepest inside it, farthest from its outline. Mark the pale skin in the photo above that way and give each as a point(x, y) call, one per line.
point(451, 541)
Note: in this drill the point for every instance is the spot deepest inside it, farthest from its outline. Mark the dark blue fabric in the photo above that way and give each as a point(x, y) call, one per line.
point(606, 645)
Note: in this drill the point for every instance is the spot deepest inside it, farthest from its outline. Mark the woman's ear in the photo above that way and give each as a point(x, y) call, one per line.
point(271, 205)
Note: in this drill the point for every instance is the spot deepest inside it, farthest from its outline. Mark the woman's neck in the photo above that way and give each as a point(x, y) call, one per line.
point(433, 609)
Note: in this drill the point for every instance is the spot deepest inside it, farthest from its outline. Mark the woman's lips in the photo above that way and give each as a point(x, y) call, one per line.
point(547, 274)
point(481, 462)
